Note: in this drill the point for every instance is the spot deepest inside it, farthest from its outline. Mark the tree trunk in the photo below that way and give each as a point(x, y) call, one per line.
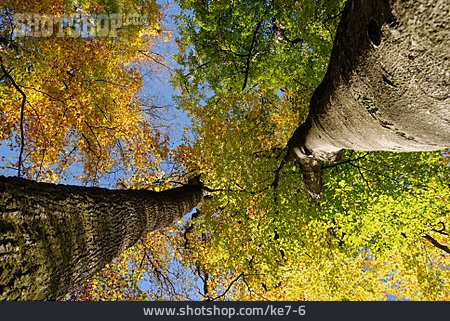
point(53, 237)
point(387, 85)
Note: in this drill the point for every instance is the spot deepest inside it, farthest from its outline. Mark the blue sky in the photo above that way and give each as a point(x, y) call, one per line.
point(156, 84)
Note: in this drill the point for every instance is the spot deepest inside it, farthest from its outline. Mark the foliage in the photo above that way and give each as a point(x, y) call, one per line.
point(363, 240)
point(275, 45)
point(248, 71)
point(261, 236)
point(82, 109)
point(81, 104)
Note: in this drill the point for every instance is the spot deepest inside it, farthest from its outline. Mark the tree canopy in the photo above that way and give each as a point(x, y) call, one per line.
point(248, 71)
point(264, 231)
point(73, 101)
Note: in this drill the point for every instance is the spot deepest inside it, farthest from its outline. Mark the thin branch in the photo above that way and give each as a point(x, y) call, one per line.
point(345, 162)
point(22, 108)
point(44, 93)
point(280, 33)
point(204, 280)
point(95, 136)
point(250, 291)
point(89, 145)
point(277, 174)
point(362, 176)
point(163, 279)
point(40, 165)
point(156, 60)
point(249, 55)
point(195, 68)
point(5, 75)
point(229, 287)
point(375, 173)
point(443, 247)
point(442, 230)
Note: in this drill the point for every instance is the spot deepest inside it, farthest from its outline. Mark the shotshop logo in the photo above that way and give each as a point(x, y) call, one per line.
point(74, 25)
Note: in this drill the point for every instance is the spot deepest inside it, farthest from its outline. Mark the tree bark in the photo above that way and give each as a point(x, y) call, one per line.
point(387, 85)
point(53, 237)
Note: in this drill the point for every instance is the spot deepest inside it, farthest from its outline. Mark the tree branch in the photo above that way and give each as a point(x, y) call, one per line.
point(443, 247)
point(22, 108)
point(442, 230)
point(249, 55)
point(345, 162)
point(155, 60)
point(229, 287)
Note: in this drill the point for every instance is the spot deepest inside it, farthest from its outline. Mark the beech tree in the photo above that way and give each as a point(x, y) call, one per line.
point(379, 228)
point(381, 215)
point(56, 236)
point(375, 94)
point(386, 87)
point(72, 101)
point(250, 239)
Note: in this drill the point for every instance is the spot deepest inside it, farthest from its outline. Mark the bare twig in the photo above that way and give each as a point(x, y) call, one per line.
point(148, 55)
point(195, 68)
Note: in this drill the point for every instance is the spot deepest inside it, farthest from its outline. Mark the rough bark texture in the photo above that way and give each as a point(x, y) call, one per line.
point(387, 86)
point(54, 237)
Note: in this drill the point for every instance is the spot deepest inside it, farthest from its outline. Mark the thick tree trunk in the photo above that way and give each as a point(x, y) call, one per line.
point(387, 86)
point(54, 237)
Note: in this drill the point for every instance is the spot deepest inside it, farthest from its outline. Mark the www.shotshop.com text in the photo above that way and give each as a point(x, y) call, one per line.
point(269, 310)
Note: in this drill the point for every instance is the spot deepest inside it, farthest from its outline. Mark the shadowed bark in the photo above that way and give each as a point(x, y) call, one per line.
point(387, 86)
point(54, 237)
